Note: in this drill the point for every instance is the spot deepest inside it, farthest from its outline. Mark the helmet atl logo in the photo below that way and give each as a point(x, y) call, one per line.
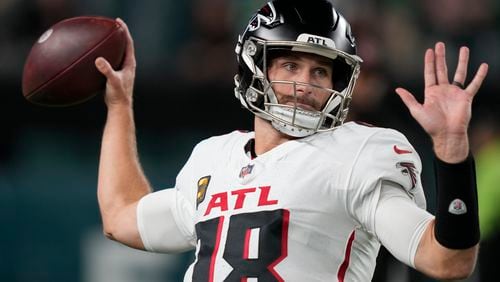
point(202, 189)
point(314, 39)
point(266, 15)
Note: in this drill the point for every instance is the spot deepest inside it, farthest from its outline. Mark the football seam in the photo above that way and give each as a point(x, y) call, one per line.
point(73, 63)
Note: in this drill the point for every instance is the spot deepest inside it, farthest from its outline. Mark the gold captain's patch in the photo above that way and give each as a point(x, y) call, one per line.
point(202, 189)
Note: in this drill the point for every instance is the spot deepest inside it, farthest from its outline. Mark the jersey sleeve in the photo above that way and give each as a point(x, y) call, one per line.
point(399, 223)
point(385, 156)
point(166, 217)
point(163, 220)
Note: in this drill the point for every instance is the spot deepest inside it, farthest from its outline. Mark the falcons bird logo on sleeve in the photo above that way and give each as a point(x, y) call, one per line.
point(408, 169)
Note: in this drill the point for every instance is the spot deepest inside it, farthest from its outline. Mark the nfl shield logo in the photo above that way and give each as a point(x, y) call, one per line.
point(246, 170)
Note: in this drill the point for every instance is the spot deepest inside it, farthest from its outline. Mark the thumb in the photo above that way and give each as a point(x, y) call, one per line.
point(408, 99)
point(103, 66)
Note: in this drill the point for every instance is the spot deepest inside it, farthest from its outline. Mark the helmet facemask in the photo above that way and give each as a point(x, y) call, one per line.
point(260, 98)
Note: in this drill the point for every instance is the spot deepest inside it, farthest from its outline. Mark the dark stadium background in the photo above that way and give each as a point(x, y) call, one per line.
point(49, 218)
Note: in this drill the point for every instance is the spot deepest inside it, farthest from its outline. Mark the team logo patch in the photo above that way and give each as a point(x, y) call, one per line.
point(202, 189)
point(246, 170)
point(408, 169)
point(350, 36)
point(457, 207)
point(266, 16)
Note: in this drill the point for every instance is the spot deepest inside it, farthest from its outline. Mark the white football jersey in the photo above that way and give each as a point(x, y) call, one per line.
point(303, 211)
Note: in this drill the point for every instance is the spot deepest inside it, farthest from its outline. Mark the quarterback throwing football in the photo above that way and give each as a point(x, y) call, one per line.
point(304, 196)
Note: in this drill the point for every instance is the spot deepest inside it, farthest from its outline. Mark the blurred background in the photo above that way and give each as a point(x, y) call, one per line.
point(49, 218)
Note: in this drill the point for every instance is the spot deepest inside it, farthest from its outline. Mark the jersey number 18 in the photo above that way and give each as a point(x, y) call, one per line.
point(255, 243)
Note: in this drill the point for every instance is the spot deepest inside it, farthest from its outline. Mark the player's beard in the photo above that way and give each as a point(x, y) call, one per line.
point(305, 102)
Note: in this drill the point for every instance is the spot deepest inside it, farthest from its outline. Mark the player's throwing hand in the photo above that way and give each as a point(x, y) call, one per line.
point(120, 83)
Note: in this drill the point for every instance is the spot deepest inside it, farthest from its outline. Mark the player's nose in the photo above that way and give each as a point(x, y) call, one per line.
point(303, 82)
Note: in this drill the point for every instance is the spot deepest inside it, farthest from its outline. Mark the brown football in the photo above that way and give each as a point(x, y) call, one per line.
point(60, 69)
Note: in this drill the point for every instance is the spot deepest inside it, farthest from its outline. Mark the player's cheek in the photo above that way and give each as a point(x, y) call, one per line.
point(281, 90)
point(322, 96)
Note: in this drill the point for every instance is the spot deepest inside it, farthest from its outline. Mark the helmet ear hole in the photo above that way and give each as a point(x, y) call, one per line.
point(341, 74)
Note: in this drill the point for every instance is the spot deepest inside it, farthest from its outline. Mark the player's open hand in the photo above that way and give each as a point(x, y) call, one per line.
point(120, 83)
point(446, 111)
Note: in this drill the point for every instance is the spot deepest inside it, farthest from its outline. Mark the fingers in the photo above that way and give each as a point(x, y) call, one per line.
point(429, 69)
point(436, 70)
point(463, 61)
point(441, 68)
point(478, 79)
point(129, 61)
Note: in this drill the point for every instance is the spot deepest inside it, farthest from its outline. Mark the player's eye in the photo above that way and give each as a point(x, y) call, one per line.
point(320, 72)
point(289, 66)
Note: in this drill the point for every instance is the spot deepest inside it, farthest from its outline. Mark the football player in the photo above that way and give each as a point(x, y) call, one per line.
point(304, 196)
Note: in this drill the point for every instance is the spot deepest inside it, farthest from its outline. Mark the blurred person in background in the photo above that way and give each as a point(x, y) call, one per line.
point(203, 58)
point(304, 197)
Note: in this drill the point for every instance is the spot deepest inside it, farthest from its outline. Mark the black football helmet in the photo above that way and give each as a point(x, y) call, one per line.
point(312, 26)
